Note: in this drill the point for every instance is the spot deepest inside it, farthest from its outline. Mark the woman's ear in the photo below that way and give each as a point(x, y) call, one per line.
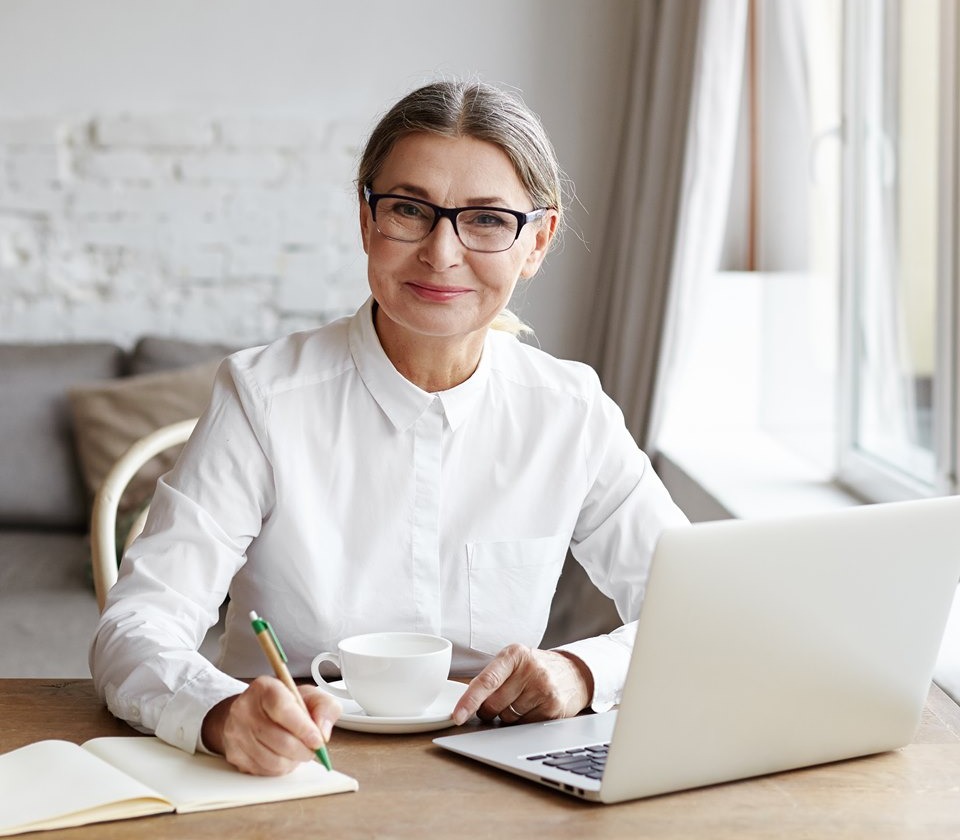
point(546, 229)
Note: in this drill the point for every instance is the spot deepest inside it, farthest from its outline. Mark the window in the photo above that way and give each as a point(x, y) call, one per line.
point(831, 335)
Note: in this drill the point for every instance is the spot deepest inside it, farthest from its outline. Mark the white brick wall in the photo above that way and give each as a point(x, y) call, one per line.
point(234, 229)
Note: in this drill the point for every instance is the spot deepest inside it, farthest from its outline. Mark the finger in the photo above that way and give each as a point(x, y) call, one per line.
point(525, 698)
point(556, 685)
point(486, 683)
point(545, 685)
point(522, 691)
point(239, 756)
point(514, 692)
point(540, 709)
point(511, 714)
point(291, 721)
point(324, 709)
point(254, 743)
point(254, 757)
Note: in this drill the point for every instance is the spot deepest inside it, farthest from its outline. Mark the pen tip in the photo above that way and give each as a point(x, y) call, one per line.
point(253, 615)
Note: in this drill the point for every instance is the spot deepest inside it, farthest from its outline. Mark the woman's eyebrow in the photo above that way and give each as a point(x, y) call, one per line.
point(415, 191)
point(420, 192)
point(487, 201)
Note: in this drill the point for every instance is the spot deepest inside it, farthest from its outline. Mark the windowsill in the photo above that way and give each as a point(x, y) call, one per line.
point(754, 356)
point(743, 474)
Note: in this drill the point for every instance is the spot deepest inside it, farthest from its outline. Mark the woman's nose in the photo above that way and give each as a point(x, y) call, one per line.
point(442, 247)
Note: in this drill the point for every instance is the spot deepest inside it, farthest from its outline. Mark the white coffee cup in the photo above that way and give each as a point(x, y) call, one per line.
point(389, 674)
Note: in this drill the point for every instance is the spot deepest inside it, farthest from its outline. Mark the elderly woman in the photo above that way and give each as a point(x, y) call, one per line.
point(412, 467)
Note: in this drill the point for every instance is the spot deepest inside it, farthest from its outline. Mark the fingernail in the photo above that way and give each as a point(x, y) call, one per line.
point(459, 717)
point(326, 728)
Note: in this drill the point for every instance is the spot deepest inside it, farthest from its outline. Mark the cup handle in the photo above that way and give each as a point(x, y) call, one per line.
point(322, 684)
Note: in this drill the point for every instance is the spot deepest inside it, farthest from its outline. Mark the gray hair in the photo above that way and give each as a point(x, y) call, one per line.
point(484, 112)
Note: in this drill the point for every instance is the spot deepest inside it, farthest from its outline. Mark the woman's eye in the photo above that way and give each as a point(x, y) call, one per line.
point(407, 210)
point(485, 220)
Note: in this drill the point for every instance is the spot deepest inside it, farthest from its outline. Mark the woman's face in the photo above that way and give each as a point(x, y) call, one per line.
point(436, 288)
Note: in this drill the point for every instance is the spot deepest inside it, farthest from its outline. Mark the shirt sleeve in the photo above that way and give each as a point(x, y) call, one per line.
point(625, 510)
point(144, 656)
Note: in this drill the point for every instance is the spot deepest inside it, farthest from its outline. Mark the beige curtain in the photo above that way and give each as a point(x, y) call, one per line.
point(669, 207)
point(667, 222)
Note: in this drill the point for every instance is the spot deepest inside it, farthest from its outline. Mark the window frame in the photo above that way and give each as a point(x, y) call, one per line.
point(946, 429)
point(857, 469)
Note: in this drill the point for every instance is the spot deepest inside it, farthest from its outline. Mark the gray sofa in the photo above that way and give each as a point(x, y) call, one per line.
point(54, 401)
point(47, 605)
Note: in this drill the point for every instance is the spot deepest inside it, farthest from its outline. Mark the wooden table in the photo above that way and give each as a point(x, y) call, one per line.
point(409, 788)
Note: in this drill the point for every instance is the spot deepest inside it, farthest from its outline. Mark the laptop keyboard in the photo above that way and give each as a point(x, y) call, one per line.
point(584, 761)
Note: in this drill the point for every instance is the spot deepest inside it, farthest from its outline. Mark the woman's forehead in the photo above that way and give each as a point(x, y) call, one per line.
point(451, 171)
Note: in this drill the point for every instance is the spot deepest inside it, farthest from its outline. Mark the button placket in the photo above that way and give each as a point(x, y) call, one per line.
point(428, 441)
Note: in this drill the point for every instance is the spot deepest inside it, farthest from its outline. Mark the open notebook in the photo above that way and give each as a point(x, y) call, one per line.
point(58, 784)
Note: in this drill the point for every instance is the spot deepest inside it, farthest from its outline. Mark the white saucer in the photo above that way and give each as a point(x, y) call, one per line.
point(435, 717)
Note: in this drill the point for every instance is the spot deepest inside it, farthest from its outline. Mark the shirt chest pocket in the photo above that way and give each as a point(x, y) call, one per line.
point(511, 587)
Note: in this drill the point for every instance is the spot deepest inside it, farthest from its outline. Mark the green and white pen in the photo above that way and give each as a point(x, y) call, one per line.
point(278, 660)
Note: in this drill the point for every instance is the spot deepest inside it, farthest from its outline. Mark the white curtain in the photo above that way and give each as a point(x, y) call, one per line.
point(669, 209)
point(887, 407)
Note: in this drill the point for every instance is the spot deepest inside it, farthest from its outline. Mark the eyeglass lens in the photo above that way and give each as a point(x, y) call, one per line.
point(409, 220)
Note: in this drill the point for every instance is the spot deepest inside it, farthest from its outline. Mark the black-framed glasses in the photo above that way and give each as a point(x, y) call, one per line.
point(486, 229)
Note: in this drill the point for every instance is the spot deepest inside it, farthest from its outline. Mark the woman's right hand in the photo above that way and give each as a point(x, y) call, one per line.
point(264, 732)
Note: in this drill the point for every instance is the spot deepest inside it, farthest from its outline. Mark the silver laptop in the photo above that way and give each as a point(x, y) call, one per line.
point(761, 646)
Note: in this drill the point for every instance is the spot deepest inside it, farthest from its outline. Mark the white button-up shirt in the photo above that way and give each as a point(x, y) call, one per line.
point(334, 497)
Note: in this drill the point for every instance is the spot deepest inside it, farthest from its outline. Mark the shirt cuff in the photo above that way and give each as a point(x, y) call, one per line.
point(607, 658)
point(181, 722)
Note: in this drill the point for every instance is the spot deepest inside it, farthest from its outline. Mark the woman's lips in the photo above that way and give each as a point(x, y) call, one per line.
point(437, 293)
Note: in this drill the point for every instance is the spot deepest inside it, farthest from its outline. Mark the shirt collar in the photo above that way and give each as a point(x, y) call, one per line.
point(401, 400)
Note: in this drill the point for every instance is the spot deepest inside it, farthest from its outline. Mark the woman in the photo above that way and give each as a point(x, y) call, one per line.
point(413, 467)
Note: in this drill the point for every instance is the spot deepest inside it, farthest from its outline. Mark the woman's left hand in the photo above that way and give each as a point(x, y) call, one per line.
point(524, 684)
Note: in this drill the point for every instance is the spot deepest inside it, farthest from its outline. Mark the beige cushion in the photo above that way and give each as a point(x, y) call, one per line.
point(108, 417)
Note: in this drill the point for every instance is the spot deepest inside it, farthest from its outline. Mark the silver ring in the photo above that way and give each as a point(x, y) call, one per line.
point(510, 707)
